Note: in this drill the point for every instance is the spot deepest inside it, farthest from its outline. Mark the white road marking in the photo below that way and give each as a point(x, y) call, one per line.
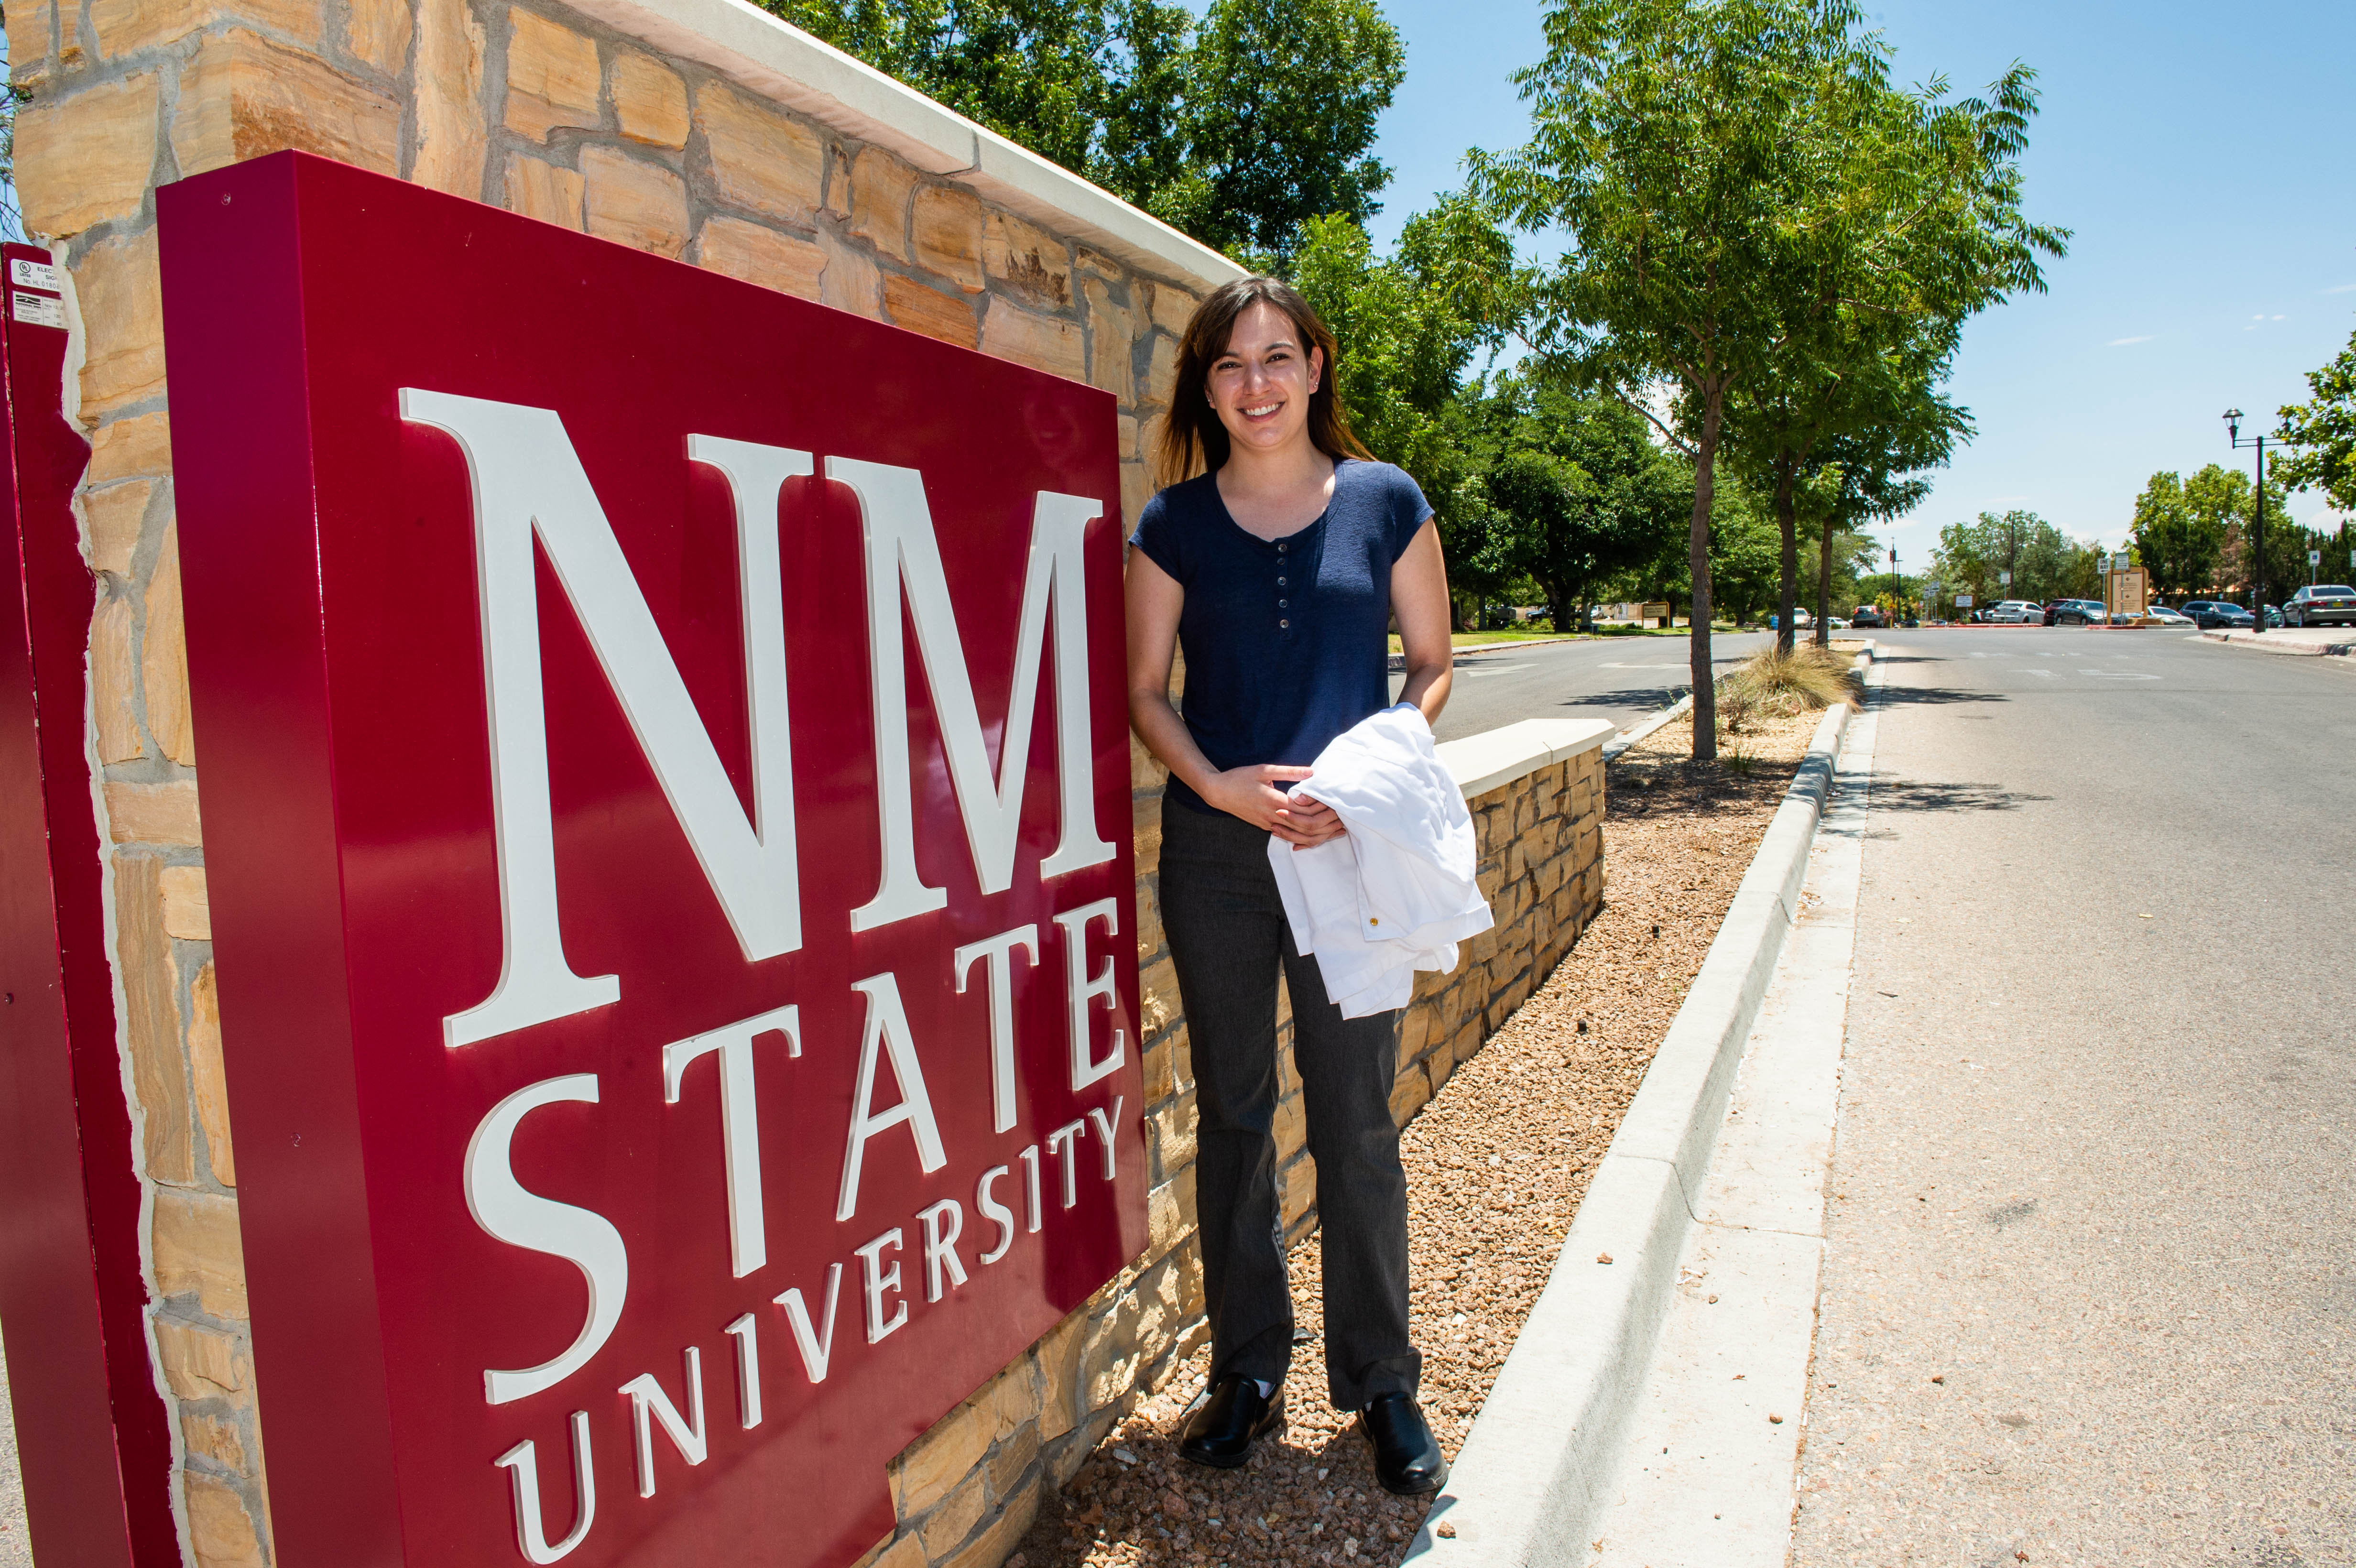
point(2118, 675)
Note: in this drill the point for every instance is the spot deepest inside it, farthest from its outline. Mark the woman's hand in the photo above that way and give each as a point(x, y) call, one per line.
point(1252, 793)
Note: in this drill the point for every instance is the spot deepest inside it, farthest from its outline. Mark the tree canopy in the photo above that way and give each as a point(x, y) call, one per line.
point(1237, 130)
point(2322, 434)
point(1755, 210)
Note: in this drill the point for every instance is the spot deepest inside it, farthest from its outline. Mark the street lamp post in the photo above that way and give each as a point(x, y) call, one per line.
point(2258, 532)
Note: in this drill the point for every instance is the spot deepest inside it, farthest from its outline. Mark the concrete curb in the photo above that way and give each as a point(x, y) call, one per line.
point(2275, 642)
point(1533, 1475)
point(1643, 727)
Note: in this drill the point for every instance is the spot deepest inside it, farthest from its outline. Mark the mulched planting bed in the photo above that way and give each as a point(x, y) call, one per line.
point(1496, 1164)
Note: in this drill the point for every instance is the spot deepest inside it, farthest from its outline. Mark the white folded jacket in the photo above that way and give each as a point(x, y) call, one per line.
point(1396, 892)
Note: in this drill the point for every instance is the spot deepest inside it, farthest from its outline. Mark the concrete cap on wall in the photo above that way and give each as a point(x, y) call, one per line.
point(1497, 758)
point(783, 63)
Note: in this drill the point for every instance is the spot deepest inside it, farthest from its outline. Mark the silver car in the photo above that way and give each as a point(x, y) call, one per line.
point(2321, 605)
point(2016, 612)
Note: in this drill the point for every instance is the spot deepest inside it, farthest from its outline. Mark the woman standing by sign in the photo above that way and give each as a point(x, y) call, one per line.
point(1278, 566)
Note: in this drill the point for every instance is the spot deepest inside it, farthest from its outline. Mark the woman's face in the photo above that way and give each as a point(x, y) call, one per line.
point(1260, 386)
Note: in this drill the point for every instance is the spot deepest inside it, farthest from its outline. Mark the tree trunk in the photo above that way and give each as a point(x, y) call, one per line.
point(1825, 588)
point(1787, 584)
point(1705, 693)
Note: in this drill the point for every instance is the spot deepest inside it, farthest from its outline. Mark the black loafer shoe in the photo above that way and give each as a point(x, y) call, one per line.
point(1407, 1460)
point(1234, 1417)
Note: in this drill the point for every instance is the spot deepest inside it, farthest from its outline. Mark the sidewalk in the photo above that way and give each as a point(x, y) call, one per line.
point(2306, 640)
point(1707, 1475)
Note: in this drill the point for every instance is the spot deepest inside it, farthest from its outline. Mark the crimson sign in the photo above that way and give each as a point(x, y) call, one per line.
point(665, 792)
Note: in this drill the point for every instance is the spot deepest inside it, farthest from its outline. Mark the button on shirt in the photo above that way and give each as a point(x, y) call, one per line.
point(1287, 642)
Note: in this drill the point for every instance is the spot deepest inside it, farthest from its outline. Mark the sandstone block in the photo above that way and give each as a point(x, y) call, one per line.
point(198, 1363)
point(85, 157)
point(906, 1551)
point(122, 321)
point(649, 100)
point(1109, 1360)
point(153, 813)
point(214, 1439)
point(762, 256)
point(1161, 373)
point(882, 187)
point(1145, 829)
point(1015, 1453)
point(1300, 1184)
point(946, 1528)
point(378, 33)
point(29, 23)
point(130, 449)
point(115, 515)
point(451, 139)
point(1028, 260)
point(641, 204)
point(151, 1020)
point(1159, 983)
point(1291, 1128)
point(553, 76)
point(1409, 1094)
point(538, 188)
point(944, 235)
point(1170, 1213)
point(163, 658)
point(762, 160)
point(838, 183)
point(188, 912)
point(126, 26)
point(1173, 307)
point(851, 280)
point(910, 304)
point(1058, 1356)
point(989, 1546)
point(1127, 437)
point(1159, 1071)
point(244, 96)
point(1111, 331)
point(197, 1250)
point(1170, 1135)
point(205, 1074)
point(113, 683)
point(221, 1531)
point(1042, 342)
point(936, 1463)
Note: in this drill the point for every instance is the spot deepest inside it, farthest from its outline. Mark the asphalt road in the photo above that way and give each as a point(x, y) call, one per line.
point(2092, 1170)
point(1619, 678)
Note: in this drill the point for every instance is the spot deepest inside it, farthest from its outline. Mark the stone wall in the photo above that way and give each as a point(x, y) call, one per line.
point(705, 132)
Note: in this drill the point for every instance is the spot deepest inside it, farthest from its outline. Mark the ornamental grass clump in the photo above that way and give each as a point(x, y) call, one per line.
point(1777, 685)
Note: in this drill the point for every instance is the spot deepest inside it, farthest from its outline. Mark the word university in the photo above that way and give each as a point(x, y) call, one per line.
point(667, 822)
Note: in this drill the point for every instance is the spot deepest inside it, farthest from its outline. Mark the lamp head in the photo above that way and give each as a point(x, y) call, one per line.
point(2233, 424)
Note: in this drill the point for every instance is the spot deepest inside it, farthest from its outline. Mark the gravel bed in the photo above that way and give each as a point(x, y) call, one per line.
point(1496, 1164)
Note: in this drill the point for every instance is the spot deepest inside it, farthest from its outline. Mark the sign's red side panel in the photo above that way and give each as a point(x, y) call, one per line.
point(538, 590)
point(241, 466)
point(92, 1434)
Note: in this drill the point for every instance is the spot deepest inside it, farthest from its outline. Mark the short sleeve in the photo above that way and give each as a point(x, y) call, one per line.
point(1157, 538)
point(1407, 511)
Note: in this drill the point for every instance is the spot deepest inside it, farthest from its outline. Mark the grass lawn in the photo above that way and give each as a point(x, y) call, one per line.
point(1491, 639)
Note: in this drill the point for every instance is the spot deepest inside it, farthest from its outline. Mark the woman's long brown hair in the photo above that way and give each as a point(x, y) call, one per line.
point(1192, 440)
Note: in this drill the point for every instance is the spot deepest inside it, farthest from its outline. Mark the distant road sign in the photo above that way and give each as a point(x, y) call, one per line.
point(1963, 600)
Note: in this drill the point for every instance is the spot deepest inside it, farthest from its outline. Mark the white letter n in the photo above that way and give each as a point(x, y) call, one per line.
point(529, 482)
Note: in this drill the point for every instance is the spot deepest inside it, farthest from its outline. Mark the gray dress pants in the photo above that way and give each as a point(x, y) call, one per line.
point(1229, 938)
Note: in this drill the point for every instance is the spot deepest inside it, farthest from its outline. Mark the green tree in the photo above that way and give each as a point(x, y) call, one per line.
point(2322, 434)
point(1237, 129)
point(1578, 494)
point(2045, 562)
point(1869, 473)
point(1667, 140)
point(1408, 327)
point(2180, 537)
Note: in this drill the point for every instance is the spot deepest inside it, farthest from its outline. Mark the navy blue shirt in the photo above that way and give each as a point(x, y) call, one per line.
point(1287, 641)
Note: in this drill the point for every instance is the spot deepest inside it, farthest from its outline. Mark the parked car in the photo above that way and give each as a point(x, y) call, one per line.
point(1802, 620)
point(2321, 605)
point(2217, 614)
point(1867, 617)
point(2016, 612)
point(2161, 615)
point(2273, 617)
point(1835, 623)
point(2076, 613)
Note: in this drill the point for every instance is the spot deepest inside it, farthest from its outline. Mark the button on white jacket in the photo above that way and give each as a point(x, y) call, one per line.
point(1396, 892)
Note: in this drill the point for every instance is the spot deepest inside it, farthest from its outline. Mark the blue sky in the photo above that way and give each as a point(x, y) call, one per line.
point(2205, 156)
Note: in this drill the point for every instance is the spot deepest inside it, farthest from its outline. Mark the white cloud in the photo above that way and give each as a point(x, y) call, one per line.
point(2123, 342)
point(2281, 318)
point(2342, 289)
